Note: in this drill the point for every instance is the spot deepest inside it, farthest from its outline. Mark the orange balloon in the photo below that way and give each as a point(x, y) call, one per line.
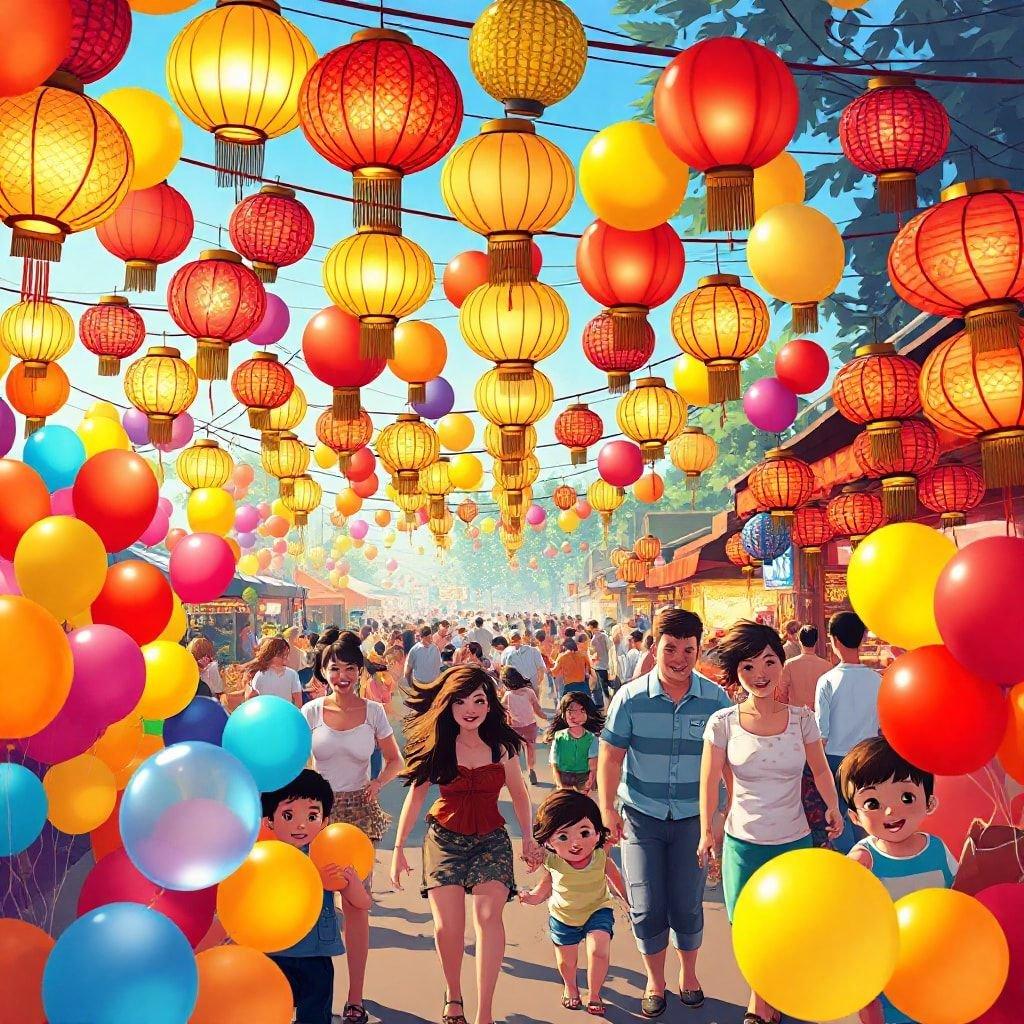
point(649, 488)
point(37, 397)
point(106, 838)
point(235, 548)
point(23, 952)
point(173, 536)
point(420, 352)
point(24, 500)
point(119, 743)
point(148, 746)
point(344, 845)
point(1011, 750)
point(242, 475)
point(263, 558)
point(347, 502)
point(277, 526)
point(238, 985)
point(382, 517)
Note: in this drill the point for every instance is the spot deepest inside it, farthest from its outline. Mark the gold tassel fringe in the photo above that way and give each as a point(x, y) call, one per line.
point(782, 516)
point(653, 451)
point(301, 519)
point(953, 519)
point(618, 383)
point(266, 272)
point(885, 436)
point(417, 393)
point(723, 382)
point(509, 258)
point(160, 427)
point(515, 371)
point(1002, 458)
point(578, 456)
point(140, 276)
point(259, 418)
point(376, 337)
point(212, 360)
point(628, 328)
point(993, 327)
point(238, 163)
point(287, 486)
point(270, 441)
point(805, 317)
point(344, 460)
point(899, 498)
point(34, 370)
point(730, 198)
point(408, 482)
point(812, 566)
point(110, 366)
point(897, 191)
point(378, 199)
point(513, 443)
point(345, 403)
point(34, 423)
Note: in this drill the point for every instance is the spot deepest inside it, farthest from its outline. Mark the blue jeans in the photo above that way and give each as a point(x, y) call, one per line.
point(376, 763)
point(851, 834)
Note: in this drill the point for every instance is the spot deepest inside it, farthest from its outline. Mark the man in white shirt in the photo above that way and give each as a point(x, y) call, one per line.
point(423, 662)
point(481, 635)
point(631, 658)
point(599, 658)
point(526, 660)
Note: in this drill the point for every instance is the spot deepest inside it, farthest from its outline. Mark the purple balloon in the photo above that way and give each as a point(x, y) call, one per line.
point(182, 430)
point(8, 581)
point(439, 401)
point(246, 540)
point(8, 428)
point(770, 405)
point(358, 529)
point(61, 503)
point(247, 518)
point(157, 529)
point(136, 426)
point(274, 325)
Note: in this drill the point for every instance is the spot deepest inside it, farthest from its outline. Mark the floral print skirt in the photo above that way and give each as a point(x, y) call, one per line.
point(360, 809)
point(452, 858)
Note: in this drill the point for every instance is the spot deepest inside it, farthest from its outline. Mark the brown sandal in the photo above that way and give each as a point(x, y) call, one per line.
point(453, 1018)
point(571, 1002)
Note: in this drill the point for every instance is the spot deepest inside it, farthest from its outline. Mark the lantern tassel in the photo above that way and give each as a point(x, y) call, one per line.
point(730, 198)
point(509, 259)
point(884, 437)
point(805, 317)
point(345, 405)
point(897, 191)
point(812, 566)
point(378, 199)
point(1002, 458)
point(376, 337)
point(417, 393)
point(33, 423)
point(512, 466)
point(35, 280)
point(140, 276)
point(994, 326)
point(301, 519)
point(515, 371)
point(212, 360)
point(629, 328)
point(270, 442)
point(287, 486)
point(953, 519)
point(238, 163)
point(408, 482)
point(899, 498)
point(34, 370)
point(618, 383)
point(110, 366)
point(782, 517)
point(344, 460)
point(578, 456)
point(160, 427)
point(266, 272)
point(723, 382)
point(653, 451)
point(259, 419)
point(513, 443)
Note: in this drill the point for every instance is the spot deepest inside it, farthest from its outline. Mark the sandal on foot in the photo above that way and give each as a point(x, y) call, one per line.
point(452, 1018)
point(653, 1005)
point(753, 1018)
point(355, 1013)
point(571, 1002)
point(595, 1008)
point(692, 997)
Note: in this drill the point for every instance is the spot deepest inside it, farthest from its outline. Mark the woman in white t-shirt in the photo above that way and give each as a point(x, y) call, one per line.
point(268, 672)
point(765, 745)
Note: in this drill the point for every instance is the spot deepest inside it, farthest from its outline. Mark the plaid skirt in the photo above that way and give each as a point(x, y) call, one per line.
point(357, 808)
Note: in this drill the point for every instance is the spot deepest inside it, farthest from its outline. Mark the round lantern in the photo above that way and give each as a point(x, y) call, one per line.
point(952, 491)
point(261, 383)
point(405, 447)
point(305, 497)
point(855, 514)
point(617, 556)
point(113, 331)
point(564, 497)
point(410, 504)
point(780, 483)
point(218, 301)
point(344, 436)
point(204, 464)
point(517, 475)
point(692, 452)
point(647, 547)
point(894, 131)
point(629, 272)
point(726, 106)
point(740, 556)
point(721, 323)
point(100, 33)
point(236, 71)
point(332, 351)
point(467, 510)
point(508, 184)
point(36, 398)
point(965, 258)
point(271, 229)
point(150, 227)
point(527, 56)
point(513, 405)
point(605, 499)
point(916, 453)
point(651, 415)
point(284, 417)
point(37, 332)
point(578, 427)
point(633, 569)
point(617, 359)
point(811, 531)
point(765, 538)
point(162, 385)
point(380, 107)
point(437, 485)
point(495, 445)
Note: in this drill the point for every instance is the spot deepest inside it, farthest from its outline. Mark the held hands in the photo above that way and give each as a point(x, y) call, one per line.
point(531, 899)
point(399, 866)
point(833, 823)
point(339, 878)
point(612, 821)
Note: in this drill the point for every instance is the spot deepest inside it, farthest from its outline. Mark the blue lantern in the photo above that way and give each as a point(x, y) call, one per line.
point(765, 539)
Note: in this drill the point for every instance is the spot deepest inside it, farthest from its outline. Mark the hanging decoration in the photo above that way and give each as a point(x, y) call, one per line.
point(436, 484)
point(854, 513)
point(344, 437)
point(420, 356)
point(693, 452)
point(512, 406)
point(204, 464)
point(100, 33)
point(405, 447)
point(467, 510)
point(38, 332)
point(618, 361)
point(916, 453)
point(810, 532)
point(952, 490)
point(765, 538)
point(651, 414)
point(647, 548)
point(737, 553)
point(633, 569)
point(605, 500)
point(113, 331)
point(578, 427)
point(162, 385)
point(333, 353)
point(271, 229)
point(261, 384)
point(287, 462)
point(494, 445)
point(304, 499)
point(564, 497)
point(284, 417)
point(37, 398)
point(780, 484)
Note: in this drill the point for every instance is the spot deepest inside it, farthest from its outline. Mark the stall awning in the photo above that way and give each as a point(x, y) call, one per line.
point(686, 561)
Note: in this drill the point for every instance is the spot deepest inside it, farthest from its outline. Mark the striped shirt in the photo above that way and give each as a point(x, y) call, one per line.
point(663, 743)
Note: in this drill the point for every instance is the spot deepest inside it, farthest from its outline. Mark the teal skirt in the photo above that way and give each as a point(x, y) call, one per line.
point(741, 859)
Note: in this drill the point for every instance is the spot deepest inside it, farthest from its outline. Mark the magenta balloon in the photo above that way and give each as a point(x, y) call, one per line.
point(157, 529)
point(358, 529)
point(620, 463)
point(274, 325)
point(422, 517)
point(247, 518)
point(8, 429)
point(770, 405)
point(8, 581)
point(182, 430)
point(246, 540)
point(202, 566)
point(535, 515)
point(61, 503)
point(136, 426)
point(264, 510)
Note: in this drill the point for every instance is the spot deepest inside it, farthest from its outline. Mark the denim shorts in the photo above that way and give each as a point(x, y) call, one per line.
point(563, 934)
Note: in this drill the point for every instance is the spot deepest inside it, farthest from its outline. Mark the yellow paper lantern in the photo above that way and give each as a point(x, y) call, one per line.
point(690, 379)
point(455, 431)
point(693, 452)
point(779, 181)
point(284, 418)
point(37, 333)
point(285, 462)
point(466, 472)
point(152, 127)
point(305, 498)
point(204, 464)
point(437, 484)
point(162, 385)
point(604, 499)
point(102, 435)
point(651, 414)
point(405, 447)
point(496, 445)
point(517, 475)
point(210, 510)
point(513, 405)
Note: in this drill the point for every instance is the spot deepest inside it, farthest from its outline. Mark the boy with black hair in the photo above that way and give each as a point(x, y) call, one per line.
point(297, 814)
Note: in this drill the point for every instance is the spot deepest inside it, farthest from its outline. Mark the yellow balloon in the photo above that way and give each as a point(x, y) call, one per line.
point(487, 525)
point(324, 457)
point(389, 538)
point(80, 793)
point(158, 471)
point(690, 379)
point(341, 580)
point(279, 508)
point(210, 510)
point(159, 6)
point(779, 181)
point(343, 544)
point(177, 624)
point(249, 565)
point(791, 908)
point(104, 410)
point(333, 576)
point(630, 178)
point(456, 431)
point(153, 128)
point(100, 434)
point(568, 520)
point(466, 472)
point(60, 563)
point(370, 552)
point(391, 492)
point(172, 676)
point(847, 5)
point(891, 582)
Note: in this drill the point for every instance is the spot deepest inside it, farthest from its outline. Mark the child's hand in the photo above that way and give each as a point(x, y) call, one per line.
point(530, 899)
point(337, 877)
point(532, 854)
point(833, 823)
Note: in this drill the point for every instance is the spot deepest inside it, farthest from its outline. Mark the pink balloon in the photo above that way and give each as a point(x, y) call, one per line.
point(343, 567)
point(157, 529)
point(620, 463)
point(583, 509)
point(182, 430)
point(770, 405)
point(358, 529)
point(329, 564)
point(274, 325)
point(165, 505)
point(201, 568)
point(422, 518)
point(280, 547)
point(537, 527)
point(391, 565)
point(535, 515)
point(61, 503)
point(1006, 901)
point(247, 518)
point(264, 510)
point(8, 581)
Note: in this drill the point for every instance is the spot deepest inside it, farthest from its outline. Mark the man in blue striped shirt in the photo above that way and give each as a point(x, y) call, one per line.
point(649, 762)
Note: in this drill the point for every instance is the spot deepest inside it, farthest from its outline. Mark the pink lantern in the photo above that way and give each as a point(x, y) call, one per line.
point(566, 548)
point(583, 509)
point(770, 405)
point(202, 566)
point(274, 325)
point(535, 515)
point(584, 546)
point(620, 463)
point(358, 529)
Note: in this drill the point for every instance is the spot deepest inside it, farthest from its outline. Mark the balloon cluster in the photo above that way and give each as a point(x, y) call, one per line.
point(801, 367)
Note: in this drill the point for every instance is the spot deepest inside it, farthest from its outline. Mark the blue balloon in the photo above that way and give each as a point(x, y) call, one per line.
point(189, 816)
point(23, 807)
point(202, 719)
point(118, 963)
point(56, 453)
point(272, 738)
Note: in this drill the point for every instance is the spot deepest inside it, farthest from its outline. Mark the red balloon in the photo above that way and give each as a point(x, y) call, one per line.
point(115, 879)
point(1006, 901)
point(136, 598)
point(366, 488)
point(939, 715)
point(36, 38)
point(280, 547)
point(802, 365)
point(173, 536)
point(465, 272)
point(620, 463)
point(536, 259)
point(361, 465)
point(330, 346)
point(979, 608)
point(961, 799)
point(24, 500)
point(116, 493)
point(630, 268)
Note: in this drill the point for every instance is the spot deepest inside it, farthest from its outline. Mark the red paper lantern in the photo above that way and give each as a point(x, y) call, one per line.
point(113, 331)
point(739, 556)
point(810, 531)
point(330, 346)
point(894, 131)
point(725, 106)
point(855, 514)
point(965, 258)
point(271, 229)
point(151, 226)
point(100, 33)
point(578, 427)
point(917, 452)
point(261, 383)
point(345, 436)
point(217, 300)
point(781, 483)
point(564, 497)
point(617, 361)
point(952, 491)
point(630, 272)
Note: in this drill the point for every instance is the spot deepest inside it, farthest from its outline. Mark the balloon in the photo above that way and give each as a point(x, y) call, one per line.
point(620, 463)
point(250, 595)
point(80, 794)
point(22, 813)
point(24, 950)
point(770, 405)
point(366, 488)
point(24, 500)
point(243, 474)
point(535, 515)
point(203, 718)
point(272, 900)
point(324, 457)
point(62, 503)
point(249, 565)
point(382, 517)
point(136, 598)
point(116, 494)
point(277, 526)
point(120, 962)
point(487, 525)
point(781, 180)
point(264, 559)
point(455, 431)
point(280, 547)
point(156, 532)
point(361, 465)
point(801, 366)
point(35, 40)
point(56, 453)
point(891, 579)
point(8, 428)
point(182, 430)
point(201, 568)
point(582, 508)
point(953, 957)
point(344, 845)
point(173, 536)
point(172, 676)
point(235, 549)
point(270, 736)
point(189, 816)
point(465, 472)
point(246, 541)
point(1011, 747)
point(420, 352)
point(274, 325)
point(100, 434)
point(440, 397)
point(247, 518)
point(210, 510)
point(790, 907)
point(152, 127)
point(938, 715)
point(136, 426)
point(114, 879)
point(159, 6)
point(465, 272)
point(568, 520)
point(975, 601)
point(649, 488)
point(120, 743)
point(238, 985)
point(690, 379)
point(60, 563)
point(630, 178)
point(358, 529)
point(1006, 903)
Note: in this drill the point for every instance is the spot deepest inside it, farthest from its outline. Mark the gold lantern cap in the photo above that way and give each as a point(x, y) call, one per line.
point(650, 382)
point(264, 357)
point(205, 442)
point(220, 254)
point(974, 187)
point(698, 430)
point(369, 34)
point(876, 348)
point(890, 80)
point(112, 300)
point(281, 191)
point(164, 350)
point(712, 279)
point(508, 124)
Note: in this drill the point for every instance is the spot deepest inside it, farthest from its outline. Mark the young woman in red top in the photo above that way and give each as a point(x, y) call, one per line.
point(458, 738)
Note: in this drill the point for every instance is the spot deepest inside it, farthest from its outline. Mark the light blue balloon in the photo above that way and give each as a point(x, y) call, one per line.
point(190, 815)
point(56, 453)
point(23, 807)
point(271, 737)
point(118, 964)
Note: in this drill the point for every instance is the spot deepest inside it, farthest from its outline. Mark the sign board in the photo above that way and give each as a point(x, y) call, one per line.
point(778, 575)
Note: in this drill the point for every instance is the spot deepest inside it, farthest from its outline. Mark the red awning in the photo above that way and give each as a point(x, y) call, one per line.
point(686, 561)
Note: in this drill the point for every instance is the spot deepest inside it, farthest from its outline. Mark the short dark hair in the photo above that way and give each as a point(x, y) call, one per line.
point(593, 623)
point(478, 621)
point(790, 626)
point(637, 635)
point(307, 785)
point(475, 649)
point(563, 808)
point(426, 631)
point(676, 622)
point(447, 653)
point(745, 640)
point(513, 680)
point(848, 628)
point(873, 761)
point(808, 636)
point(540, 636)
point(499, 641)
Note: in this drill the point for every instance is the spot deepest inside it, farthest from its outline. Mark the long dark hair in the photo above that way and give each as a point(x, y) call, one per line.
point(594, 722)
point(343, 647)
point(743, 640)
point(431, 729)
